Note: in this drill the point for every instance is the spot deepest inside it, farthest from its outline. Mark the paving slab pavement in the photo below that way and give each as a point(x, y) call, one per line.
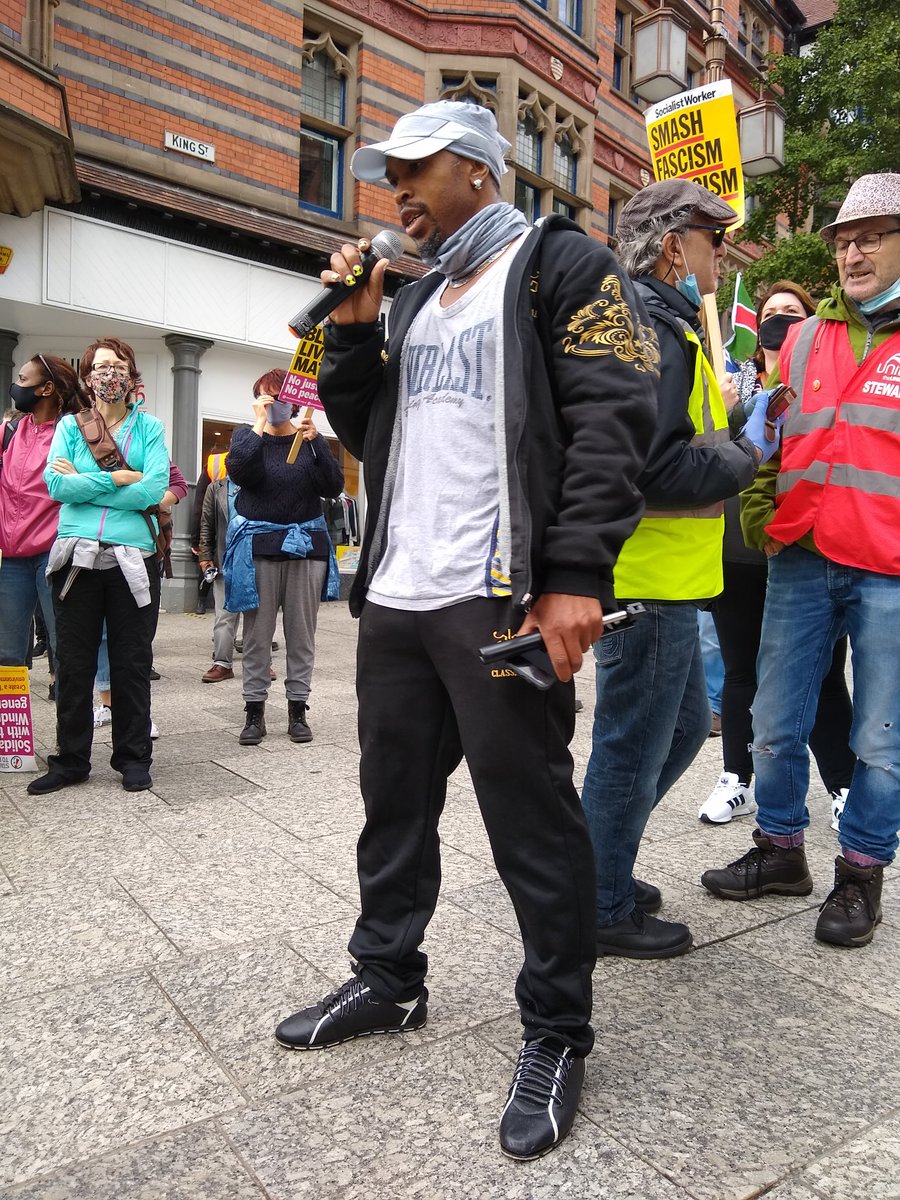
point(150, 942)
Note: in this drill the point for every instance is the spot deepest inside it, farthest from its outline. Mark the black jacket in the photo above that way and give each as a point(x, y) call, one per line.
point(580, 367)
point(677, 474)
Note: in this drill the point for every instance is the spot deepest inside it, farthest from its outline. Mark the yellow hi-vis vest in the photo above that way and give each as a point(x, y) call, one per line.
point(215, 467)
point(676, 554)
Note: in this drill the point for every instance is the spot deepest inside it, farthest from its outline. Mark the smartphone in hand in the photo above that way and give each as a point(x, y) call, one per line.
point(779, 401)
point(528, 657)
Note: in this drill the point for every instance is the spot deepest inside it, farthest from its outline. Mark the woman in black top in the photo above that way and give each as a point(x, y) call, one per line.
point(279, 511)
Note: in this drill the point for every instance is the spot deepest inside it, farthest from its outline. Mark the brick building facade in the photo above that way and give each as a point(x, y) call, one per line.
point(211, 145)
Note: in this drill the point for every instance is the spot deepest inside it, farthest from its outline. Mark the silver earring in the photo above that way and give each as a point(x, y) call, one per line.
point(476, 184)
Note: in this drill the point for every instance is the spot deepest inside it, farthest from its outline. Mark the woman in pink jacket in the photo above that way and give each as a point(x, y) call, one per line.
point(45, 389)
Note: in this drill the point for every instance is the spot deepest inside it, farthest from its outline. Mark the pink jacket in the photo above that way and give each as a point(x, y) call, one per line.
point(28, 517)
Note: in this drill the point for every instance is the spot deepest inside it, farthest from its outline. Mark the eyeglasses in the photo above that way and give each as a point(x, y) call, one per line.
point(866, 243)
point(717, 232)
point(110, 369)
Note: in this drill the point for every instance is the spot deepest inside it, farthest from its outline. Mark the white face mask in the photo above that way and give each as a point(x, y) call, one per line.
point(279, 411)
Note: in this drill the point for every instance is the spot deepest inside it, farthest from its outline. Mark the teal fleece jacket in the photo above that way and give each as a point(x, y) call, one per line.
point(92, 506)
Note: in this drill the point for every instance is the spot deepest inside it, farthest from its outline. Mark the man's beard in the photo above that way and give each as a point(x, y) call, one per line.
point(430, 247)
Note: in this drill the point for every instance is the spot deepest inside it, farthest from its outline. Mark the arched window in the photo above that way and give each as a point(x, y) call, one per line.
point(323, 99)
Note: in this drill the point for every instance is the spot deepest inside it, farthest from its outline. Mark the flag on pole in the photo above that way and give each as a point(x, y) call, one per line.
point(742, 343)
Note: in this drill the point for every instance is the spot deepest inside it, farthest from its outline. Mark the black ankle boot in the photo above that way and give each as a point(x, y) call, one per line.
point(255, 729)
point(298, 730)
point(849, 915)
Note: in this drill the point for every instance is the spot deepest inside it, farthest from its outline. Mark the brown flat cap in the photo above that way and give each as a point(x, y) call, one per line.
point(658, 199)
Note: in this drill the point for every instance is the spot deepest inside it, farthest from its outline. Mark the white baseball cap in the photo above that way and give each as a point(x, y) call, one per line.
point(465, 129)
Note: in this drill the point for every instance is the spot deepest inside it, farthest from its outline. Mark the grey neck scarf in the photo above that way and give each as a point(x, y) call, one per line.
point(482, 237)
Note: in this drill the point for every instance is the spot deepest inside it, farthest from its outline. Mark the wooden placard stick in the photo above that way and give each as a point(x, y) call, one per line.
point(714, 349)
point(298, 439)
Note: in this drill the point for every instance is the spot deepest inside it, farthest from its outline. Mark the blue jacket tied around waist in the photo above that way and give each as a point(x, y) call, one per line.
point(240, 574)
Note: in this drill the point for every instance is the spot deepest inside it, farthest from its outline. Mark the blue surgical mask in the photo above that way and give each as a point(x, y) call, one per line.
point(881, 300)
point(279, 412)
point(688, 286)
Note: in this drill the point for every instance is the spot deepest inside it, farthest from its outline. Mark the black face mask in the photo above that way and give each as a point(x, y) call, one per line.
point(25, 399)
point(773, 330)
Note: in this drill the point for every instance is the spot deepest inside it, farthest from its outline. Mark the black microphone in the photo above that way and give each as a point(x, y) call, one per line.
point(384, 245)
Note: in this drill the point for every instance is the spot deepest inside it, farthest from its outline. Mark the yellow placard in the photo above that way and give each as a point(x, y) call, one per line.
point(300, 385)
point(694, 136)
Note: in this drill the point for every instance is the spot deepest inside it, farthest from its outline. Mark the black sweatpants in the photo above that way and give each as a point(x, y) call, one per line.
point(425, 699)
point(738, 615)
point(96, 596)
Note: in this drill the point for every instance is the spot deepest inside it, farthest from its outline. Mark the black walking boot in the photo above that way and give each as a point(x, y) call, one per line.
point(255, 729)
point(298, 730)
point(849, 915)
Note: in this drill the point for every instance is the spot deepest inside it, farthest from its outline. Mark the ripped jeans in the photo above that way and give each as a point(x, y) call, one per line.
point(810, 602)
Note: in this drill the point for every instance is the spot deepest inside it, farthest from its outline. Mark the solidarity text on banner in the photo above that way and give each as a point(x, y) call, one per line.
point(300, 386)
point(694, 136)
point(16, 731)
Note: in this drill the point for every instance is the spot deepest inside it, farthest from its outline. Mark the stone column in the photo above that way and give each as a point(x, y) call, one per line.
point(8, 343)
point(179, 594)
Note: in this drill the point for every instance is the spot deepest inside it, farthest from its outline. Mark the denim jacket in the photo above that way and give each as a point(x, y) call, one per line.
point(241, 594)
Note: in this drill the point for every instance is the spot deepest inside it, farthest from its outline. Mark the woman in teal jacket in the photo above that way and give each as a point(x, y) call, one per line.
point(102, 567)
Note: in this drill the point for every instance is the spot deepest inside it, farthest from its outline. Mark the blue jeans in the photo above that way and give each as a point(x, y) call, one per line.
point(22, 584)
point(652, 717)
point(810, 602)
point(713, 667)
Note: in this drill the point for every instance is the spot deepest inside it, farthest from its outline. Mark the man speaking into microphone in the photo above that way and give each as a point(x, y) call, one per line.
point(502, 430)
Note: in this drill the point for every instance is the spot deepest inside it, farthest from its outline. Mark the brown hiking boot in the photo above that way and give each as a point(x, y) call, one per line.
point(764, 870)
point(849, 915)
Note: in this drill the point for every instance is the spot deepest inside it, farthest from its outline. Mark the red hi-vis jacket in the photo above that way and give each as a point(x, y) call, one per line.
point(840, 459)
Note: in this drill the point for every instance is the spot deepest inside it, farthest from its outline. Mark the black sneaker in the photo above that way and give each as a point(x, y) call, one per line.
point(641, 936)
point(764, 870)
point(136, 779)
point(853, 909)
point(542, 1100)
point(350, 1012)
point(52, 782)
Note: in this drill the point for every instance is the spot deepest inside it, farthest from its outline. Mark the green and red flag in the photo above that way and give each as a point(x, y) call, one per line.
point(742, 343)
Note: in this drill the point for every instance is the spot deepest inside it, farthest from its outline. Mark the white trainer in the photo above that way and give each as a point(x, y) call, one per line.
point(729, 798)
point(838, 800)
point(102, 715)
point(154, 731)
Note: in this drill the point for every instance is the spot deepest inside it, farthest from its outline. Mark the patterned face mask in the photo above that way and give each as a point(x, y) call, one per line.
point(111, 387)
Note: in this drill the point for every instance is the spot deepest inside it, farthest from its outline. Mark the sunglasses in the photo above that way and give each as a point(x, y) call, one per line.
point(716, 231)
